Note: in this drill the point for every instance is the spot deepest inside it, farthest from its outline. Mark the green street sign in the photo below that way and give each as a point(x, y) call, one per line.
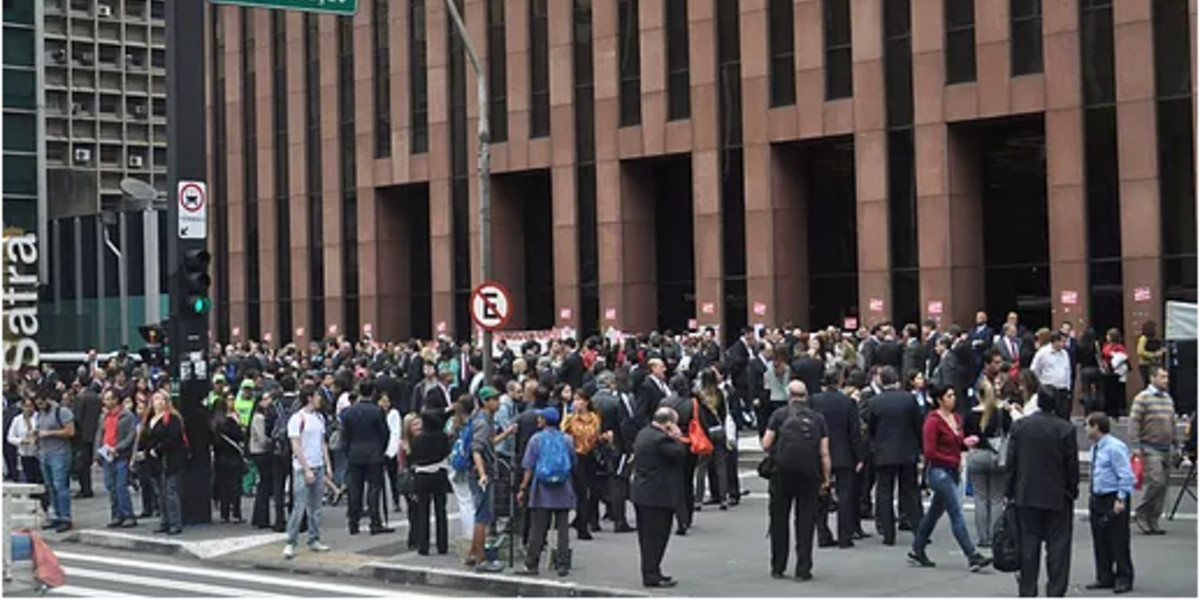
point(343, 8)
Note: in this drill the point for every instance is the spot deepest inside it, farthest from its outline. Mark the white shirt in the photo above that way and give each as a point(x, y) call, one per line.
point(393, 423)
point(309, 428)
point(1052, 368)
point(18, 435)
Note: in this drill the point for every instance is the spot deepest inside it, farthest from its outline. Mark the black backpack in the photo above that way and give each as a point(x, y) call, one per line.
point(797, 449)
point(1006, 541)
point(284, 409)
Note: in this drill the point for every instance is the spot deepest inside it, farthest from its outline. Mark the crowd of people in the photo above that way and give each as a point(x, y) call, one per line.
point(565, 434)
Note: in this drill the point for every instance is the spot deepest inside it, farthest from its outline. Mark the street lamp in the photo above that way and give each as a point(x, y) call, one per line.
point(485, 173)
point(146, 199)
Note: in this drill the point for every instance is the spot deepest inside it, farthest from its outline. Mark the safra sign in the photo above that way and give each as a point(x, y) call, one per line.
point(20, 287)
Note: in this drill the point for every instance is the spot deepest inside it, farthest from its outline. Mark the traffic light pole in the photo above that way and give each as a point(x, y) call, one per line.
point(186, 161)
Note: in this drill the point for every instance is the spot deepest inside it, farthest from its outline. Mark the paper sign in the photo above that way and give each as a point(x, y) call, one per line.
point(333, 329)
point(692, 324)
point(708, 308)
point(610, 314)
point(850, 323)
point(367, 328)
point(266, 336)
point(876, 305)
point(760, 308)
point(441, 327)
point(1070, 297)
point(564, 313)
point(299, 332)
point(237, 332)
point(1141, 294)
point(935, 307)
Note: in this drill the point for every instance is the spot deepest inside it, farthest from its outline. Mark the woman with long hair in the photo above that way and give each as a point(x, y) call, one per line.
point(148, 472)
point(229, 461)
point(464, 407)
point(1088, 354)
point(410, 428)
point(395, 448)
point(261, 455)
point(166, 444)
point(426, 454)
point(583, 425)
point(1150, 350)
point(1114, 360)
point(943, 443)
point(1027, 389)
point(712, 410)
point(989, 421)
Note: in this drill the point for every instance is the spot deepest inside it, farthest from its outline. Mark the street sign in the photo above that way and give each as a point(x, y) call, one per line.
point(193, 210)
point(344, 8)
point(490, 306)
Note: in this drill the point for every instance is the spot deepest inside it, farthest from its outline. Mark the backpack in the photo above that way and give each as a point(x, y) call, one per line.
point(1006, 541)
point(280, 444)
point(335, 433)
point(461, 456)
point(553, 465)
point(797, 450)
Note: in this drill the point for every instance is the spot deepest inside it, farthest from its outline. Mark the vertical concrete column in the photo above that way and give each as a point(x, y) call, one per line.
point(441, 231)
point(1137, 165)
point(562, 172)
point(367, 166)
point(993, 58)
point(268, 238)
point(516, 41)
point(870, 158)
point(1065, 195)
point(331, 182)
point(652, 23)
point(810, 70)
point(706, 158)
point(399, 53)
point(235, 197)
point(297, 181)
point(610, 238)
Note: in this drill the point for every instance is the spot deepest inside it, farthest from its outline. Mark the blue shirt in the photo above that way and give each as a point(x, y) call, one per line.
point(1111, 472)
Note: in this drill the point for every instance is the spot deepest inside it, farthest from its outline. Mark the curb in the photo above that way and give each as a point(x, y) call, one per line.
point(120, 541)
point(492, 584)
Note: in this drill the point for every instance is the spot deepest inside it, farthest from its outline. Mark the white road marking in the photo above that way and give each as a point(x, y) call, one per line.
point(195, 588)
point(75, 590)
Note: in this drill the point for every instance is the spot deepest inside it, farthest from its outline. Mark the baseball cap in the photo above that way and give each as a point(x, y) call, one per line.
point(487, 392)
point(550, 415)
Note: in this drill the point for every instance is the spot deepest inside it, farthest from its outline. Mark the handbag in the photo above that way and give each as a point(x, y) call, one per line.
point(698, 440)
point(406, 482)
point(999, 445)
point(766, 467)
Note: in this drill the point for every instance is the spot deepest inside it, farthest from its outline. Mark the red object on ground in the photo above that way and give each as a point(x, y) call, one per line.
point(45, 561)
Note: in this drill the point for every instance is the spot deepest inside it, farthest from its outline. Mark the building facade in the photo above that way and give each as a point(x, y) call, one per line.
point(84, 108)
point(664, 163)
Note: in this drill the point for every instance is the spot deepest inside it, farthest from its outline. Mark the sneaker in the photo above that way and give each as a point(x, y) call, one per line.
point(919, 559)
point(978, 562)
point(319, 547)
point(491, 566)
point(289, 551)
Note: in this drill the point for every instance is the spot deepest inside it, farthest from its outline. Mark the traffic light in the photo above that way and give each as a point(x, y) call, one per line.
point(196, 282)
point(154, 354)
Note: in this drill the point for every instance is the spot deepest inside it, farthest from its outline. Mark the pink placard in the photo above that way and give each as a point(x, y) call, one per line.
point(441, 327)
point(333, 329)
point(299, 332)
point(692, 324)
point(708, 308)
point(610, 314)
point(564, 313)
point(1069, 297)
point(850, 323)
point(266, 336)
point(935, 307)
point(367, 328)
point(237, 332)
point(876, 305)
point(1141, 294)
point(760, 308)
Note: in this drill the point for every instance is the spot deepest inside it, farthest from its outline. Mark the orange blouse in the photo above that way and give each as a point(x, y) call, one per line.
point(585, 429)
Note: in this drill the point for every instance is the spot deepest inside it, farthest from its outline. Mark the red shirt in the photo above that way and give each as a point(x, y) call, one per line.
point(943, 447)
point(110, 428)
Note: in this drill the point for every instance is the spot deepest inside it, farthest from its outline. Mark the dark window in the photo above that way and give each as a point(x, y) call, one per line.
point(20, 174)
point(459, 184)
point(283, 212)
point(19, 89)
point(679, 103)
point(381, 38)
point(733, 186)
point(20, 132)
point(313, 166)
point(960, 41)
point(539, 70)
point(89, 252)
point(1096, 50)
point(418, 105)
point(348, 169)
point(134, 245)
point(782, 41)
point(585, 172)
point(497, 72)
point(729, 74)
point(902, 193)
point(18, 46)
point(19, 11)
point(70, 258)
point(1172, 61)
point(1025, 19)
point(629, 53)
point(250, 174)
point(220, 177)
point(839, 65)
point(897, 62)
point(1176, 149)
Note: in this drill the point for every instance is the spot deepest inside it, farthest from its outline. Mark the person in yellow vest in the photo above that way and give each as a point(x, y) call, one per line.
point(244, 402)
point(218, 392)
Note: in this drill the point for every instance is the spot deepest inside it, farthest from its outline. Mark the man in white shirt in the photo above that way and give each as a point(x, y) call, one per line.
point(310, 467)
point(1052, 365)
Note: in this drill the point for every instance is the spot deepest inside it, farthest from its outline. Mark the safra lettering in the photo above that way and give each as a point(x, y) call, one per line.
point(20, 301)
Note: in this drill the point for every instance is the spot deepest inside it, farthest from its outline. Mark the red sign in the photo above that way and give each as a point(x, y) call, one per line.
point(237, 332)
point(441, 327)
point(1141, 294)
point(760, 308)
point(266, 336)
point(367, 328)
point(692, 324)
point(935, 307)
point(708, 308)
point(333, 329)
point(850, 323)
point(610, 314)
point(876, 305)
point(299, 332)
point(491, 306)
point(564, 313)
point(1070, 297)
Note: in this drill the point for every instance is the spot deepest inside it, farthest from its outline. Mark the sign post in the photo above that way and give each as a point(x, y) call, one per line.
point(491, 307)
point(193, 210)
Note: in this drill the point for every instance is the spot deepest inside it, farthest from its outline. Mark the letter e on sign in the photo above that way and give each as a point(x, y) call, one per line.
point(491, 306)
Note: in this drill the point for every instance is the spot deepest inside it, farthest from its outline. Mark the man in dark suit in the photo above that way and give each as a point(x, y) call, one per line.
point(888, 353)
point(366, 436)
point(980, 339)
point(1009, 346)
point(617, 416)
point(87, 414)
point(914, 353)
point(809, 369)
point(571, 371)
point(737, 364)
point(846, 455)
point(657, 490)
point(1043, 481)
point(651, 391)
point(929, 337)
point(680, 401)
point(894, 424)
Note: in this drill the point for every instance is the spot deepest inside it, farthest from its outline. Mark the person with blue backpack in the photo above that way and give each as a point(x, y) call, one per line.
point(548, 462)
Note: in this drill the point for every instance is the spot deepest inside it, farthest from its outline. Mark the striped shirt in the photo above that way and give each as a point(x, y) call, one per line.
point(1152, 419)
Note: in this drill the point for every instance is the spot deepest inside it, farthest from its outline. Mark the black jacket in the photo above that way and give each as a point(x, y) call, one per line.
point(615, 417)
point(809, 370)
point(86, 409)
point(1043, 463)
point(657, 469)
point(915, 355)
point(365, 431)
point(888, 353)
point(846, 447)
point(649, 395)
point(229, 452)
point(571, 371)
point(894, 422)
point(164, 444)
point(755, 386)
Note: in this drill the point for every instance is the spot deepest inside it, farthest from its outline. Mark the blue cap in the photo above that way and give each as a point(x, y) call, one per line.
point(550, 415)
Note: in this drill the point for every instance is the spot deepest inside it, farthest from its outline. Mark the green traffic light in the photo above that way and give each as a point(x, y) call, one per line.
point(201, 305)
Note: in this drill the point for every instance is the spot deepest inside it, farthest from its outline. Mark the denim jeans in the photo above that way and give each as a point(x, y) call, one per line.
point(56, 473)
point(306, 499)
point(944, 483)
point(168, 502)
point(116, 481)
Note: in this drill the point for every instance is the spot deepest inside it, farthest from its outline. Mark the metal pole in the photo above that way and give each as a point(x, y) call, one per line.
point(485, 173)
point(151, 273)
point(123, 278)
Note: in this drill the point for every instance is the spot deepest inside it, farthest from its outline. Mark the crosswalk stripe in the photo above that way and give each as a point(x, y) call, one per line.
point(235, 576)
point(194, 588)
point(75, 590)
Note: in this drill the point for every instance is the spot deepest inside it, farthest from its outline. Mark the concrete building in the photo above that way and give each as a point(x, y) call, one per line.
point(85, 107)
point(728, 161)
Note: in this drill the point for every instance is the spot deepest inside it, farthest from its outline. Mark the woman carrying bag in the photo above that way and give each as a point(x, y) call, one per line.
point(710, 408)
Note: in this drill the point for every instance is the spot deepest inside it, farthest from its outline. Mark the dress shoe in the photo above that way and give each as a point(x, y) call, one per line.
point(846, 544)
point(805, 576)
point(584, 535)
point(1156, 531)
point(49, 525)
point(905, 527)
point(63, 527)
point(681, 531)
point(114, 524)
point(146, 515)
point(1123, 588)
point(861, 535)
point(624, 528)
point(129, 524)
point(81, 495)
point(279, 527)
point(379, 530)
point(887, 542)
point(776, 575)
point(353, 531)
point(826, 544)
point(1098, 585)
point(660, 583)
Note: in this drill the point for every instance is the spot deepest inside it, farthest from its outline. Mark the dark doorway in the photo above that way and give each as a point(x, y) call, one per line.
point(523, 246)
point(657, 200)
point(405, 269)
point(827, 171)
point(1016, 240)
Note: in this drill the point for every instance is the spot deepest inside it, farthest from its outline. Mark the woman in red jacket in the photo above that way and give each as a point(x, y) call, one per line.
point(943, 442)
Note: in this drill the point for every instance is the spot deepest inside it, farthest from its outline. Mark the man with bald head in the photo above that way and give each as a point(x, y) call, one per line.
point(657, 490)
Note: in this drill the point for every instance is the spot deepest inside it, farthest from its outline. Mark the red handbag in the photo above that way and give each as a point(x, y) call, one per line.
point(698, 438)
point(1138, 464)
